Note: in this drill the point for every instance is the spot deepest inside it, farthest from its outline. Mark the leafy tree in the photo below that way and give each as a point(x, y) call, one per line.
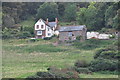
point(116, 21)
point(70, 12)
point(87, 16)
point(48, 10)
point(8, 21)
point(110, 14)
point(100, 16)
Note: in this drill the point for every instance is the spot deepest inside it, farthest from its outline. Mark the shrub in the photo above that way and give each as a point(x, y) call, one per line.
point(103, 65)
point(47, 38)
point(78, 38)
point(81, 63)
point(107, 53)
point(83, 70)
point(45, 75)
point(23, 34)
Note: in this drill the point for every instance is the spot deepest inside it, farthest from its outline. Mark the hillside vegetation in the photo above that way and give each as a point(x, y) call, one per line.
point(22, 58)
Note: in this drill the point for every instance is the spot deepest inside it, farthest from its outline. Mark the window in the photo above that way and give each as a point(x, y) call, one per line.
point(49, 34)
point(39, 32)
point(37, 27)
point(48, 29)
point(69, 34)
point(42, 26)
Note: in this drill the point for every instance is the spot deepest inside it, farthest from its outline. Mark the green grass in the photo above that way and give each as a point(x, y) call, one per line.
point(22, 58)
point(98, 75)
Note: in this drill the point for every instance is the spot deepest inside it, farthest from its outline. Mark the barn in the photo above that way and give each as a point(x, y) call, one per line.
point(72, 32)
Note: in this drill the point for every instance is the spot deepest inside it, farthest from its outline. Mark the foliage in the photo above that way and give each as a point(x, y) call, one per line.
point(81, 63)
point(70, 12)
point(57, 74)
point(8, 21)
point(87, 16)
point(23, 35)
point(107, 53)
point(116, 20)
point(110, 13)
point(78, 38)
point(48, 10)
point(103, 65)
point(83, 70)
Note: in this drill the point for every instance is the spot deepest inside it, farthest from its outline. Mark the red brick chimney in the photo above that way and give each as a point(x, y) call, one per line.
point(47, 21)
point(56, 20)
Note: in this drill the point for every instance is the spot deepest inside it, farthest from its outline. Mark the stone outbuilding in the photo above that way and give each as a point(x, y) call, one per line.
point(67, 33)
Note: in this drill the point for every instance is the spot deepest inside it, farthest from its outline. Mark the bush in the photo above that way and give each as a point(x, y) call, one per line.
point(81, 63)
point(104, 65)
point(47, 38)
point(83, 70)
point(45, 75)
point(107, 53)
point(78, 38)
point(23, 35)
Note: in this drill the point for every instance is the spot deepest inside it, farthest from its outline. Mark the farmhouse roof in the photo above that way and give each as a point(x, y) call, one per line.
point(71, 28)
point(52, 24)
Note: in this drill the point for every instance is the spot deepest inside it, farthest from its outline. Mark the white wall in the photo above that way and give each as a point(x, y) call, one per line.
point(40, 22)
point(98, 35)
point(50, 31)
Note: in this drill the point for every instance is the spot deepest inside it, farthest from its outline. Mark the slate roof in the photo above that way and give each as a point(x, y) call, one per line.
point(52, 24)
point(71, 28)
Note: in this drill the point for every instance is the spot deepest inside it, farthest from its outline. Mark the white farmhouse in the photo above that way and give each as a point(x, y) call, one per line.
point(43, 29)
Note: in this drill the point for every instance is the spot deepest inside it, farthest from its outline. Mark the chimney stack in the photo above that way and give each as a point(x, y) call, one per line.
point(56, 20)
point(47, 21)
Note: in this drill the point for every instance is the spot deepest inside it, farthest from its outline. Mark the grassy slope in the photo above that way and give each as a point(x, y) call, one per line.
point(20, 64)
point(22, 58)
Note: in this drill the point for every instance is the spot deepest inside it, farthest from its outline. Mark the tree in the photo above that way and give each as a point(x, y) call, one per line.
point(70, 12)
point(48, 10)
point(100, 16)
point(116, 21)
point(87, 16)
point(110, 14)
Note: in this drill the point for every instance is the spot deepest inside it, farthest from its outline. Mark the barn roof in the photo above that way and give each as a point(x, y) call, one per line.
point(71, 28)
point(52, 24)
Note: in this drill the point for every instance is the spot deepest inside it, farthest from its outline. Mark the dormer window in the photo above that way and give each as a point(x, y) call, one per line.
point(37, 26)
point(42, 26)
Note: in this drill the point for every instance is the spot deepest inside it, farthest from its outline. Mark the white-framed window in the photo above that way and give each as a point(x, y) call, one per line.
point(42, 26)
point(39, 32)
point(69, 34)
point(49, 34)
point(37, 27)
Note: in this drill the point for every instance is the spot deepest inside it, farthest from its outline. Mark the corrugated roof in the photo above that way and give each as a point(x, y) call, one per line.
point(72, 28)
point(52, 24)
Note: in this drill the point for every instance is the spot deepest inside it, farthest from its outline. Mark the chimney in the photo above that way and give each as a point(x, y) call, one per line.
point(56, 20)
point(47, 21)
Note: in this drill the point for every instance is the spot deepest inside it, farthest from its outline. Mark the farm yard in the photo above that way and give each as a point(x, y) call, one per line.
point(22, 58)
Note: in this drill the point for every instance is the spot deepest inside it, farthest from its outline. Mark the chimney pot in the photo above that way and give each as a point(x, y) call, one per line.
point(47, 21)
point(56, 20)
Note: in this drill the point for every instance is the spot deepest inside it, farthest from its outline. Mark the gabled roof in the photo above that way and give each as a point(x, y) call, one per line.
point(72, 28)
point(52, 24)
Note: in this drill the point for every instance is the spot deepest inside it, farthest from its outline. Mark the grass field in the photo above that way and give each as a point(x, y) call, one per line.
point(22, 58)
